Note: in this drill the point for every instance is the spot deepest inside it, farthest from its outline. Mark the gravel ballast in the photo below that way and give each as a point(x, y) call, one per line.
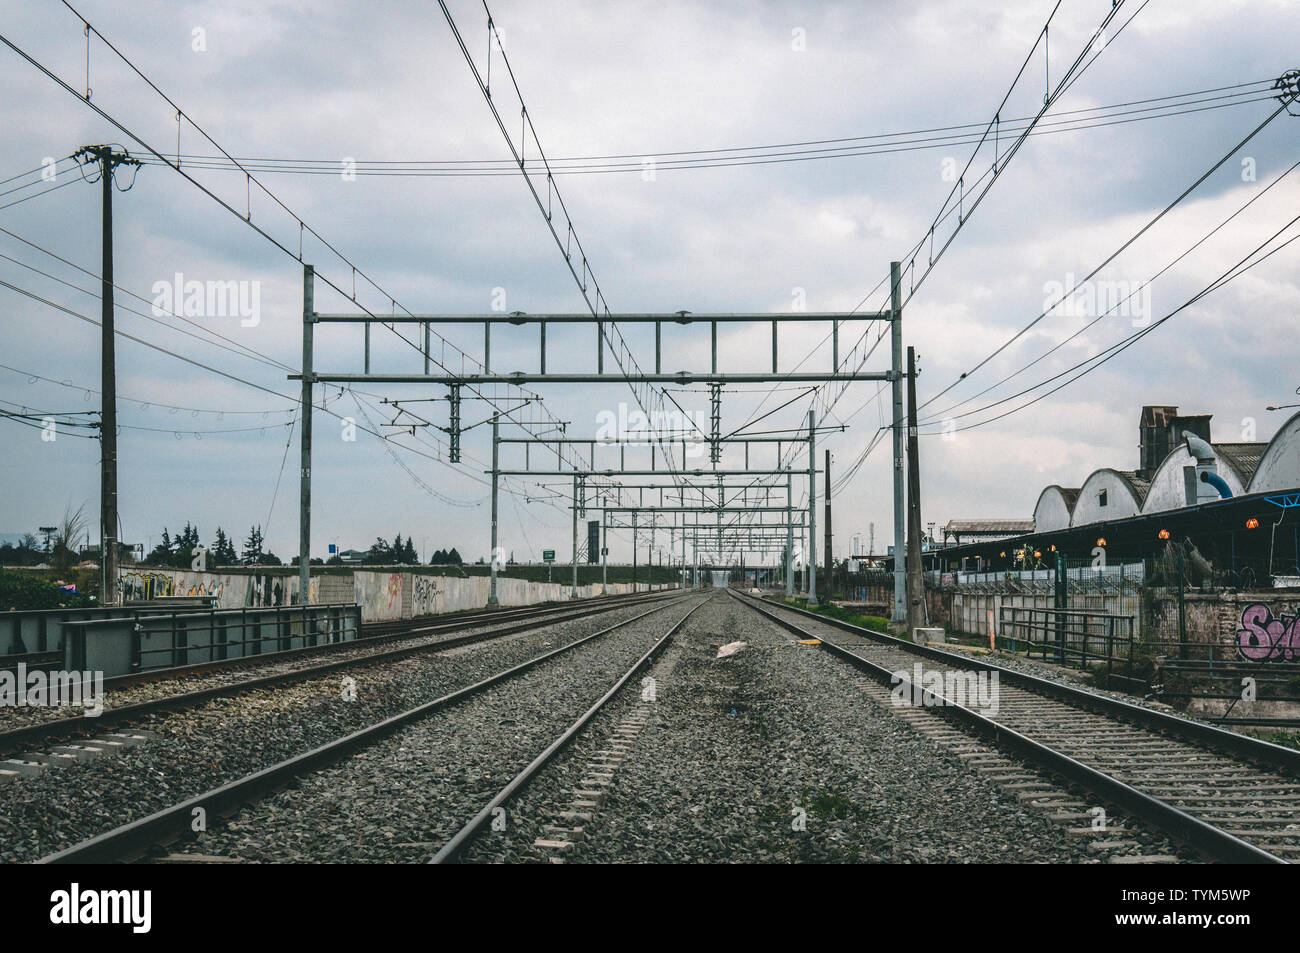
point(401, 799)
point(743, 750)
point(202, 748)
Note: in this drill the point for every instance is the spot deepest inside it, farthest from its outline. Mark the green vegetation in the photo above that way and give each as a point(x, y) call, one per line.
point(844, 615)
point(25, 590)
point(1289, 739)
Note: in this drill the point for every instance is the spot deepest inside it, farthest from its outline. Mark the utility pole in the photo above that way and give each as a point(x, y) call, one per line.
point(574, 592)
point(830, 561)
point(789, 537)
point(496, 446)
point(304, 435)
point(604, 552)
point(634, 553)
point(915, 580)
point(108, 160)
point(896, 342)
point(812, 508)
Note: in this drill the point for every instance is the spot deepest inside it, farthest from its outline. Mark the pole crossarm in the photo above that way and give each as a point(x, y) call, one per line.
point(667, 474)
point(525, 377)
point(671, 317)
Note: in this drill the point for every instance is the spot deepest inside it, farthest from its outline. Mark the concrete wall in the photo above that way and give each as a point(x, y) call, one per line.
point(382, 594)
point(233, 590)
point(1233, 626)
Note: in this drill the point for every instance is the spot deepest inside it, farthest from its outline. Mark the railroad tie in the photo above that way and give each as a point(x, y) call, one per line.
point(598, 774)
point(1025, 785)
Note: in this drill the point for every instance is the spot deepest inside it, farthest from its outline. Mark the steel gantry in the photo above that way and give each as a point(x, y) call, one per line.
point(457, 379)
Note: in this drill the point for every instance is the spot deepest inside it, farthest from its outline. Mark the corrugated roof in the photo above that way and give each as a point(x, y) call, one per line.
point(1009, 526)
point(1140, 486)
point(1242, 457)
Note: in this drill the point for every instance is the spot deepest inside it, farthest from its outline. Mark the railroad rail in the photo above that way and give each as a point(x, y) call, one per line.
point(1230, 797)
point(137, 839)
point(59, 730)
point(452, 849)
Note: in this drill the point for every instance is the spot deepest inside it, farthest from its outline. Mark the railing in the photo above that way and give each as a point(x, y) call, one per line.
point(119, 646)
point(1069, 635)
point(25, 631)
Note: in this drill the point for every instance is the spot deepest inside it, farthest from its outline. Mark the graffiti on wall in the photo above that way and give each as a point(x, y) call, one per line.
point(1264, 637)
point(424, 595)
point(138, 586)
point(232, 591)
point(265, 589)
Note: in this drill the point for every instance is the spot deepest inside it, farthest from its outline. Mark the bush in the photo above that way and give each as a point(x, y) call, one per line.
point(23, 591)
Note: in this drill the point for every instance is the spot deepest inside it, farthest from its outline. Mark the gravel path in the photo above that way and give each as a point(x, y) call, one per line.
point(403, 798)
point(200, 749)
point(740, 749)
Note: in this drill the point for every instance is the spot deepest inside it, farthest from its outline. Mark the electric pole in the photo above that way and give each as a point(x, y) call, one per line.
point(830, 560)
point(108, 160)
point(915, 581)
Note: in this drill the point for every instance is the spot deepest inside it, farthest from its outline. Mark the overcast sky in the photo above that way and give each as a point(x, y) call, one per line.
point(387, 82)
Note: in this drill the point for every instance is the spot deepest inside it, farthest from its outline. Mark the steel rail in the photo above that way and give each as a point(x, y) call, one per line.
point(25, 736)
point(134, 840)
point(453, 847)
point(1183, 827)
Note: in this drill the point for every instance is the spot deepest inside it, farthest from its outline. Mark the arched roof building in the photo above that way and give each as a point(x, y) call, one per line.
point(1055, 508)
point(1174, 483)
point(1279, 465)
point(1109, 495)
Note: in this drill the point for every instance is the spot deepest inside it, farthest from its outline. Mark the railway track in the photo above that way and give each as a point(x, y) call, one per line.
point(59, 730)
point(1228, 796)
point(142, 837)
point(452, 850)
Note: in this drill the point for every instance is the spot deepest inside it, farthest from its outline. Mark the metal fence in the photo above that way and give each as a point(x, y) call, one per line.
point(25, 631)
point(121, 646)
point(1069, 635)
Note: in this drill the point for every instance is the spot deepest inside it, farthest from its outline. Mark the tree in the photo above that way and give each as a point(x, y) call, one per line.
point(223, 551)
point(408, 554)
point(379, 553)
point(185, 544)
point(271, 559)
point(161, 555)
point(453, 557)
point(439, 558)
point(71, 529)
point(253, 554)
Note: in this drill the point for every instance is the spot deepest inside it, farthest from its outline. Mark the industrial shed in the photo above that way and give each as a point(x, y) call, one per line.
point(1279, 466)
point(1109, 495)
point(1055, 508)
point(1174, 484)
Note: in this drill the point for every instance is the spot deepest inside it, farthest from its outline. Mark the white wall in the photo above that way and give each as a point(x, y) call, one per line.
point(1168, 490)
point(1120, 501)
point(1280, 467)
point(1051, 513)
